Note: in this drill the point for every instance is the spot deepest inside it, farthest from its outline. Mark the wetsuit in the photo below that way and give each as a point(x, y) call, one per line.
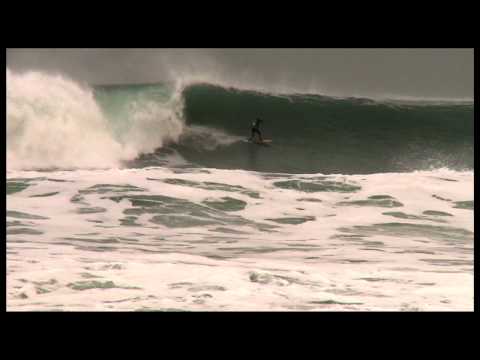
point(256, 130)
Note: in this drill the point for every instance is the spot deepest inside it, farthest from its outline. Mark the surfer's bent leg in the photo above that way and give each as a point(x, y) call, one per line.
point(256, 131)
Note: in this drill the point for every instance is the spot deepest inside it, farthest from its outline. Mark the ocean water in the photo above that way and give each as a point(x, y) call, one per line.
point(147, 198)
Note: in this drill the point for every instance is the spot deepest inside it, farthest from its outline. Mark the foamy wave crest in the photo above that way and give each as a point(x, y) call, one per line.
point(150, 123)
point(53, 122)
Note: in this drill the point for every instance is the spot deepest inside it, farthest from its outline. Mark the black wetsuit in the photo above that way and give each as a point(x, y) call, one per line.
point(256, 130)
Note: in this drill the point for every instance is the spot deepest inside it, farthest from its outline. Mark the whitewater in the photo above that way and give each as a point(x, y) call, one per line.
point(145, 198)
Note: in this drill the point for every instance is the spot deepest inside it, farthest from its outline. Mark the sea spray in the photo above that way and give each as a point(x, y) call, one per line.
point(54, 122)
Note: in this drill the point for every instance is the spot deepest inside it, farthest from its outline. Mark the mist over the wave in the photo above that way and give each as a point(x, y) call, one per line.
point(378, 73)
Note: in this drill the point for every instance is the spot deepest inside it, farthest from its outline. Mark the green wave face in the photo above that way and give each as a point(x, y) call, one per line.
point(310, 133)
point(314, 133)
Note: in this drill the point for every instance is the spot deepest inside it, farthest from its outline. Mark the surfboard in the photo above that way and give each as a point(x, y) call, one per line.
point(265, 142)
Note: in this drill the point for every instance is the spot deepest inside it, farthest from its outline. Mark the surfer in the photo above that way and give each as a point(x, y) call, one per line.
point(256, 130)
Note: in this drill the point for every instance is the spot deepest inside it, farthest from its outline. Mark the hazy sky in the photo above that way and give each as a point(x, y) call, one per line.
point(437, 73)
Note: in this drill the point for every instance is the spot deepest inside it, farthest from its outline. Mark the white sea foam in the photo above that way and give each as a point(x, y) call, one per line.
point(310, 266)
point(53, 122)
